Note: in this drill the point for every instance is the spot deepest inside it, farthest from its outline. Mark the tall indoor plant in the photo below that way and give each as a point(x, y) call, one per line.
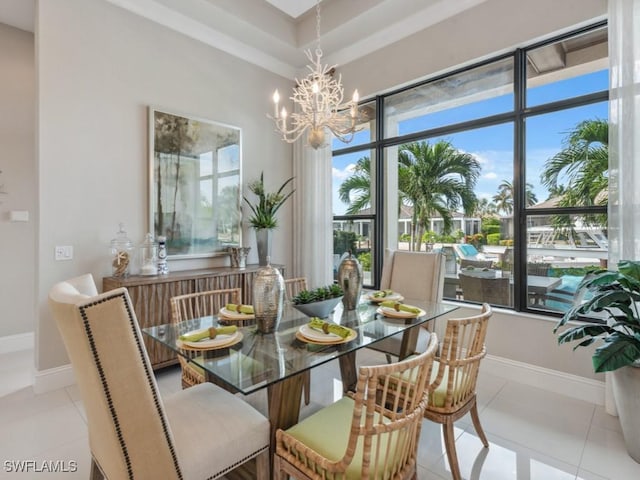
point(613, 296)
point(264, 211)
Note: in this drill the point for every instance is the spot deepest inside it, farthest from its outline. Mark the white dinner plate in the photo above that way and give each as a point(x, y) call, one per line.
point(307, 334)
point(235, 315)
point(218, 342)
point(392, 313)
point(394, 296)
point(317, 335)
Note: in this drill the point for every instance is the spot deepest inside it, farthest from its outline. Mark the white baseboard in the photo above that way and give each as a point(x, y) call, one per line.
point(15, 343)
point(53, 379)
point(573, 386)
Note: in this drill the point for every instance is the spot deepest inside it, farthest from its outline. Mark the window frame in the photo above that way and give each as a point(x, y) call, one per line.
point(518, 116)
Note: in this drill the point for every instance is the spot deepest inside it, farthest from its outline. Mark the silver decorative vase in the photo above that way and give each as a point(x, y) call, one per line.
point(263, 241)
point(268, 298)
point(350, 279)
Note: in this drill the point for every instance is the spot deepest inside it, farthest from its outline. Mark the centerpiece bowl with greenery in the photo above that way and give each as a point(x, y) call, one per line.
point(610, 314)
point(318, 302)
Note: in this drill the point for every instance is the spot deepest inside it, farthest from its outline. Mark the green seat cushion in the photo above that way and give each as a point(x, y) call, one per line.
point(439, 395)
point(327, 432)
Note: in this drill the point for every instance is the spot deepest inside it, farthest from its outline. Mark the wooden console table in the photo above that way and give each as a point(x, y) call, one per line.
point(150, 297)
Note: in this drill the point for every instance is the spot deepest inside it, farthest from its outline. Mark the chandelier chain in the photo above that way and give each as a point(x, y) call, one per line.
point(318, 47)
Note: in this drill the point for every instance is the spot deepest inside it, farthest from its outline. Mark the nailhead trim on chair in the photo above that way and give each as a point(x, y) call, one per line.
point(238, 463)
point(105, 384)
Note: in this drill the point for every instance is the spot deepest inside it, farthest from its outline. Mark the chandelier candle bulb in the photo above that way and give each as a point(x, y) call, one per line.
point(276, 100)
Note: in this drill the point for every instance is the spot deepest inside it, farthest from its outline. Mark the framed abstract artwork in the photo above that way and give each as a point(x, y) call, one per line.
point(194, 184)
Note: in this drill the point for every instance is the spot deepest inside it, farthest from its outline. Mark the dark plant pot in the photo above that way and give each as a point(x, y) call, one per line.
point(320, 309)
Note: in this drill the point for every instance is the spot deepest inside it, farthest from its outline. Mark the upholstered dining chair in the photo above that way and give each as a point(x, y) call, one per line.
point(200, 432)
point(372, 433)
point(415, 275)
point(496, 291)
point(452, 391)
point(292, 287)
point(196, 305)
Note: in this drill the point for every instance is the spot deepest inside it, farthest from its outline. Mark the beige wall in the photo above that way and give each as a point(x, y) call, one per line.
point(18, 166)
point(99, 69)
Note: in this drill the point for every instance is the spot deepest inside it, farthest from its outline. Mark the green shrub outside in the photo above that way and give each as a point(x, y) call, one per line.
point(365, 261)
point(344, 241)
point(493, 239)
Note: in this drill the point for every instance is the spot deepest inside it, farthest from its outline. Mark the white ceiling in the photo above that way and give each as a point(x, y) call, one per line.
point(18, 13)
point(274, 33)
point(293, 8)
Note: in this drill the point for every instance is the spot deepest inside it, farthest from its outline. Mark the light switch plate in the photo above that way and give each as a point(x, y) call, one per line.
point(64, 252)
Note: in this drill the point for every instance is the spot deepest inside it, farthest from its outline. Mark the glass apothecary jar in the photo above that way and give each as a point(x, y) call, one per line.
point(121, 253)
point(148, 256)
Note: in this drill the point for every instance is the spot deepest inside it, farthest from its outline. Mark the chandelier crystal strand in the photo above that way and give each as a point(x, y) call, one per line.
point(319, 99)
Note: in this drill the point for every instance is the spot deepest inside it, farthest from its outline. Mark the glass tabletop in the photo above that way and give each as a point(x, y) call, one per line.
point(258, 360)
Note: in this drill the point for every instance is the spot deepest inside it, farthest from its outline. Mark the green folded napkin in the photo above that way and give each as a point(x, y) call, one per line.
point(382, 293)
point(246, 309)
point(397, 306)
point(328, 327)
point(211, 332)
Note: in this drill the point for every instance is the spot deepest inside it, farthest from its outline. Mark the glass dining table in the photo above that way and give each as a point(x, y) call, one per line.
point(277, 361)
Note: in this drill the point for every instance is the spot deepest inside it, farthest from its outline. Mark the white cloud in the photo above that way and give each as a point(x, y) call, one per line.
point(347, 171)
point(490, 175)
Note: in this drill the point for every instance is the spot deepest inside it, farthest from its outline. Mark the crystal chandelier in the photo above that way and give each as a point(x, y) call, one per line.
point(319, 99)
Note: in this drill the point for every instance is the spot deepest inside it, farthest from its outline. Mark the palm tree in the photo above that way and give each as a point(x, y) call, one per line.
point(581, 167)
point(504, 197)
point(485, 208)
point(436, 179)
point(356, 190)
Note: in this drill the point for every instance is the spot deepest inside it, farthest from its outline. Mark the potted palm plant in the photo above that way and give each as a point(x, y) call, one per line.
point(264, 211)
point(610, 315)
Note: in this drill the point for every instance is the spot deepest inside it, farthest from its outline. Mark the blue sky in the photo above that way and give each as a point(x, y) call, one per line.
point(493, 146)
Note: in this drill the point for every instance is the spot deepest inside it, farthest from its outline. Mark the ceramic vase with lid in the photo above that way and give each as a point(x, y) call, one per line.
point(268, 297)
point(350, 279)
point(163, 266)
point(121, 252)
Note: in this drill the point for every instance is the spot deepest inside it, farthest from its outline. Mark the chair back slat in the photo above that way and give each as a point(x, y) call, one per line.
point(293, 286)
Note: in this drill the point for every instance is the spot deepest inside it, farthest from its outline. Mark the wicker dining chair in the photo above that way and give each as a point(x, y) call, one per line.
point(196, 305)
point(370, 434)
point(452, 392)
point(293, 286)
point(134, 432)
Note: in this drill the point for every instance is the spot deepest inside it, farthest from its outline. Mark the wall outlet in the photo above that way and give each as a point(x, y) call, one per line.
point(64, 252)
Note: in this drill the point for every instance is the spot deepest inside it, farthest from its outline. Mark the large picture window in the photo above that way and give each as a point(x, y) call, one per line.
point(502, 166)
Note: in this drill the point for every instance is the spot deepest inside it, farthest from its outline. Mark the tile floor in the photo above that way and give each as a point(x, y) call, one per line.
point(534, 434)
